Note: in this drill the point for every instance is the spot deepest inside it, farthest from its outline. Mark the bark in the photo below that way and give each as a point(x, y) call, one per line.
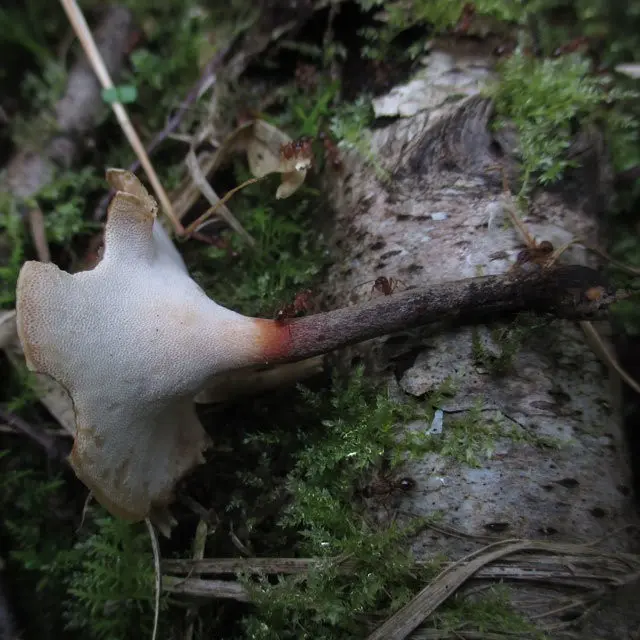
point(441, 217)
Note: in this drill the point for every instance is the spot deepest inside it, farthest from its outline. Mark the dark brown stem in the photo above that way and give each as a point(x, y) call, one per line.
point(571, 292)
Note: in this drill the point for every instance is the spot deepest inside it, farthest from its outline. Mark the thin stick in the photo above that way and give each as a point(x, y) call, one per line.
point(206, 190)
point(226, 589)
point(407, 619)
point(208, 72)
point(53, 447)
point(79, 24)
point(593, 337)
point(602, 350)
point(632, 271)
point(39, 235)
point(199, 544)
point(158, 573)
point(210, 211)
point(528, 238)
point(54, 433)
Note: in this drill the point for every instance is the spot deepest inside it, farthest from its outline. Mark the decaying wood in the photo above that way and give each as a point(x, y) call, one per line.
point(580, 566)
point(76, 113)
point(441, 217)
point(582, 572)
point(226, 589)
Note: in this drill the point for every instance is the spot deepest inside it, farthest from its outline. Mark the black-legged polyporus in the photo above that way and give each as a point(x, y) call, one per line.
point(135, 339)
point(132, 341)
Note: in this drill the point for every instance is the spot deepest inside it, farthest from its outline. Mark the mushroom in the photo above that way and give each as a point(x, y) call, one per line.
point(135, 339)
point(132, 341)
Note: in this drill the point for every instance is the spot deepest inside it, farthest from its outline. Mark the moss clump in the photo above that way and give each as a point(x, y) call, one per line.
point(490, 613)
point(547, 100)
point(507, 339)
point(11, 250)
point(100, 576)
point(288, 257)
point(357, 436)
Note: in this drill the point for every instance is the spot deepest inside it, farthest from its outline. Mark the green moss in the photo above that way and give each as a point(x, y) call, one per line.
point(507, 340)
point(11, 250)
point(547, 100)
point(361, 439)
point(288, 257)
point(395, 17)
point(350, 125)
point(111, 592)
point(101, 577)
point(64, 203)
point(358, 436)
point(309, 109)
point(491, 612)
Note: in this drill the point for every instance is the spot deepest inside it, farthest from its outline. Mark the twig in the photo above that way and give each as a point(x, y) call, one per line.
point(411, 616)
point(211, 210)
point(49, 443)
point(226, 589)
point(174, 121)
point(158, 572)
point(206, 190)
point(79, 24)
point(199, 543)
point(632, 271)
point(243, 565)
point(55, 433)
point(513, 215)
point(604, 353)
point(593, 337)
point(517, 567)
point(76, 112)
point(39, 235)
point(205, 78)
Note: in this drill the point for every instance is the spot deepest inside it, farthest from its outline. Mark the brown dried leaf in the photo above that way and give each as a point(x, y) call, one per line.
point(272, 151)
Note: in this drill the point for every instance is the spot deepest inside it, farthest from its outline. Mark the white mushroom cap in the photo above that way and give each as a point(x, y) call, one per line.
point(132, 341)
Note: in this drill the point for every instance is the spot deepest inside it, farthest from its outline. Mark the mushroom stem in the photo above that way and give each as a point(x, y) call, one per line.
point(564, 292)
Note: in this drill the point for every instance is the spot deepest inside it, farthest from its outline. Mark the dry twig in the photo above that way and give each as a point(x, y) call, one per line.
point(200, 180)
point(39, 234)
point(79, 24)
point(158, 573)
point(48, 442)
point(594, 339)
point(199, 543)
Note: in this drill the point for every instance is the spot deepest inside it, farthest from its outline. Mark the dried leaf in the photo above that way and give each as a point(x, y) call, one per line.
point(272, 151)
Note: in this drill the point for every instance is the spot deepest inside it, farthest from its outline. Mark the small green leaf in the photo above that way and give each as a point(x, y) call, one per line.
point(126, 94)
